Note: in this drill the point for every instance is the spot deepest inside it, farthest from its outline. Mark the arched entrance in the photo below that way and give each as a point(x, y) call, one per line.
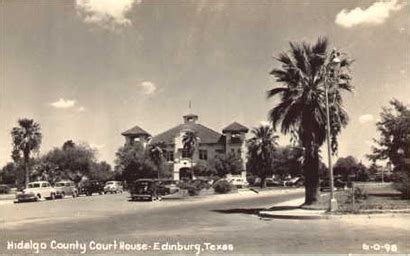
point(185, 173)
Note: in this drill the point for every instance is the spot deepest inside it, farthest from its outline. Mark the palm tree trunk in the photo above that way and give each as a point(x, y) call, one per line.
point(311, 173)
point(263, 182)
point(26, 170)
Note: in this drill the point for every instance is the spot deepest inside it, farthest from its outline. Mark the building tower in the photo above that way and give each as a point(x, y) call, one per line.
point(136, 135)
point(235, 136)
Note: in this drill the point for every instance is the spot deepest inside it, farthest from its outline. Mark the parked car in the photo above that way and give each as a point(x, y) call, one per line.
point(65, 188)
point(35, 191)
point(270, 182)
point(113, 187)
point(294, 182)
point(166, 187)
point(4, 189)
point(338, 184)
point(88, 187)
point(238, 182)
point(145, 189)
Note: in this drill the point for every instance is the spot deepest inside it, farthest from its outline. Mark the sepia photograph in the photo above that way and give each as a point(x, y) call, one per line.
point(204, 127)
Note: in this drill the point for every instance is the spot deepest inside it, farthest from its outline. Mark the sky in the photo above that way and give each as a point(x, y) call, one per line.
point(87, 70)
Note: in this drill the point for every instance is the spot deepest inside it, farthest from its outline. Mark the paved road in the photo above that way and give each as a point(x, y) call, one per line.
point(223, 224)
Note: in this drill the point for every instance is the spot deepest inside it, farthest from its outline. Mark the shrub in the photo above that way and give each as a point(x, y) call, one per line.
point(194, 186)
point(358, 195)
point(402, 184)
point(222, 187)
point(251, 179)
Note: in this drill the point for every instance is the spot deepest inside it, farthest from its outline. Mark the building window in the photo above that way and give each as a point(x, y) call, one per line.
point(203, 154)
point(219, 151)
point(169, 155)
point(185, 154)
point(236, 138)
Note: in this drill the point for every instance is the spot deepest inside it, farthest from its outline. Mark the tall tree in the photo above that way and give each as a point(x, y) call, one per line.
point(26, 139)
point(189, 144)
point(287, 161)
point(394, 129)
point(156, 154)
point(69, 144)
point(394, 141)
point(346, 166)
point(131, 163)
point(73, 161)
point(224, 164)
point(261, 148)
point(189, 141)
point(12, 174)
point(304, 73)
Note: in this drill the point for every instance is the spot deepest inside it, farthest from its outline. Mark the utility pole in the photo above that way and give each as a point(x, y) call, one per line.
point(334, 63)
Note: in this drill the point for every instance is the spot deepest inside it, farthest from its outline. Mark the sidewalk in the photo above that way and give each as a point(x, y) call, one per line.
point(7, 198)
point(290, 210)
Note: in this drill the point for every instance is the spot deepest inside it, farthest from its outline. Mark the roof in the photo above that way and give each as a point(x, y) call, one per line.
point(136, 130)
point(190, 115)
point(235, 127)
point(205, 134)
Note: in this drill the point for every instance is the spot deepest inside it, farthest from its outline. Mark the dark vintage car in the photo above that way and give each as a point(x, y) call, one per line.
point(89, 187)
point(339, 184)
point(146, 189)
point(271, 182)
point(4, 189)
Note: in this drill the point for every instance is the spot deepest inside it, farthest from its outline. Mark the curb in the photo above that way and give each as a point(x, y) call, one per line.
point(295, 214)
point(305, 216)
point(375, 211)
point(6, 202)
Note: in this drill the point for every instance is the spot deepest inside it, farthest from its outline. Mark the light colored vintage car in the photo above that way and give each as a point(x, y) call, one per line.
point(113, 187)
point(35, 191)
point(65, 188)
point(237, 181)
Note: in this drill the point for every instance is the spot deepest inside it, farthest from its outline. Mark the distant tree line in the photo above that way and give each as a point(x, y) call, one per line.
point(70, 161)
point(394, 142)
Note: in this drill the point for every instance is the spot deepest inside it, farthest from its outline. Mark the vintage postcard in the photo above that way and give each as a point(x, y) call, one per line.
point(204, 127)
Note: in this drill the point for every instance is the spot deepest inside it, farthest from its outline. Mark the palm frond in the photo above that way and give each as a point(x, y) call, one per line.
point(275, 91)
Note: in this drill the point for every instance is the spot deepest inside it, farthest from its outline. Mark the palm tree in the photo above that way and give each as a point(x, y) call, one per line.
point(260, 151)
point(189, 142)
point(156, 154)
point(304, 73)
point(26, 139)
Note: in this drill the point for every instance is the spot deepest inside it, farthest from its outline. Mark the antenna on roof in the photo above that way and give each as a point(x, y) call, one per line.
point(190, 109)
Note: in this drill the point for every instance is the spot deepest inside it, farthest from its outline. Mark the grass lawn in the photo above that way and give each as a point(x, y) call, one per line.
point(373, 197)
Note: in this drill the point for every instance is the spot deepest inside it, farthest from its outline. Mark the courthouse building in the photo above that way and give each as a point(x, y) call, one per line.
point(210, 143)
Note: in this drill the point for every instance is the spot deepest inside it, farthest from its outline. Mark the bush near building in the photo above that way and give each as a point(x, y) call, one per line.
point(194, 187)
point(222, 186)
